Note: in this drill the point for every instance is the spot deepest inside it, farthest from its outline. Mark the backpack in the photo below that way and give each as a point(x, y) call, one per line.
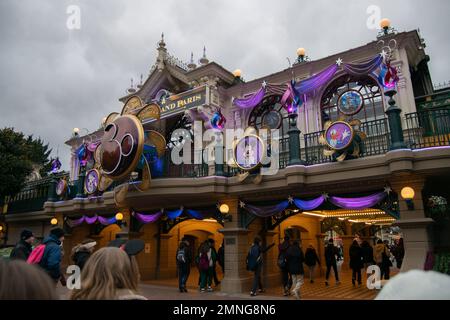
point(253, 258)
point(281, 261)
point(181, 256)
point(36, 255)
point(203, 263)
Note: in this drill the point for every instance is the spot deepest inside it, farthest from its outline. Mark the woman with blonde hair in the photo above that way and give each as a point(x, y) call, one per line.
point(109, 274)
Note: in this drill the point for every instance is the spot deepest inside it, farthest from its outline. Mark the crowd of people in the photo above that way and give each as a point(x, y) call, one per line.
point(109, 273)
point(112, 272)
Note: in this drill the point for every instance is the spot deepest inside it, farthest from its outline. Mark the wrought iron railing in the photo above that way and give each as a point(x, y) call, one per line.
point(430, 128)
point(32, 197)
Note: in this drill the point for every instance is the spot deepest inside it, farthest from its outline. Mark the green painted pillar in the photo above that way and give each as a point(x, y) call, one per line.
point(80, 183)
point(52, 196)
point(395, 122)
point(294, 141)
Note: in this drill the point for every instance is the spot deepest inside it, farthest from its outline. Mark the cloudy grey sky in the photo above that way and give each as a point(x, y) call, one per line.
point(53, 79)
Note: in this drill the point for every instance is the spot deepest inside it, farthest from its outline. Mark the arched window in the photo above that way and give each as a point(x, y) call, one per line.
point(270, 113)
point(367, 88)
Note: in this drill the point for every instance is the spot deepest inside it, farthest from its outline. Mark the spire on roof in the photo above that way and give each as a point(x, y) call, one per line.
point(161, 43)
point(204, 60)
point(192, 64)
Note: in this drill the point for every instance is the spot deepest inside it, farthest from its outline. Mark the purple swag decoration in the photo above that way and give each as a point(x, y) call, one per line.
point(365, 68)
point(316, 81)
point(150, 218)
point(309, 204)
point(252, 101)
point(267, 211)
point(358, 203)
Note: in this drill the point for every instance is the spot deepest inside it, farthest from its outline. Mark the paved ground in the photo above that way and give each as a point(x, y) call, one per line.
point(167, 290)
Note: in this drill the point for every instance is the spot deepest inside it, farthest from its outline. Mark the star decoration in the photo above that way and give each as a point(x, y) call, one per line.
point(339, 62)
point(387, 189)
point(325, 195)
point(290, 199)
point(232, 99)
point(384, 54)
point(241, 204)
point(264, 84)
point(218, 206)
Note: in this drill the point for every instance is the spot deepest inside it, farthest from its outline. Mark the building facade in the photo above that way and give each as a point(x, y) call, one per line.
point(323, 186)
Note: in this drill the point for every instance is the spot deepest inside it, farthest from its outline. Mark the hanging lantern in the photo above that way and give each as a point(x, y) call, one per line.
point(218, 120)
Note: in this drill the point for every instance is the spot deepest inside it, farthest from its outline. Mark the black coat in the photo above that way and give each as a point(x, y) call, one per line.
point(295, 259)
point(80, 258)
point(356, 257)
point(21, 251)
point(367, 254)
point(311, 257)
point(330, 254)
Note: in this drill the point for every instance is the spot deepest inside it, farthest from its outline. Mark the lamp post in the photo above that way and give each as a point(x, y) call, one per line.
point(407, 193)
point(80, 182)
point(294, 140)
point(395, 122)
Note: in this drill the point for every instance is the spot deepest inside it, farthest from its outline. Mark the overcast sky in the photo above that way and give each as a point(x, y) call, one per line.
point(53, 79)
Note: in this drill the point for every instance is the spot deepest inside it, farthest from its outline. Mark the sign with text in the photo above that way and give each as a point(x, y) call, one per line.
point(183, 101)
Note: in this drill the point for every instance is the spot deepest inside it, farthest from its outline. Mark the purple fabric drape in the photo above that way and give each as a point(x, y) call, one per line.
point(75, 222)
point(267, 211)
point(147, 218)
point(90, 220)
point(365, 68)
point(316, 81)
point(358, 203)
point(309, 204)
point(252, 101)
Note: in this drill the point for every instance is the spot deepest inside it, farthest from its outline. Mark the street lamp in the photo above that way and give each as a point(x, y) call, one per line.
point(408, 193)
point(224, 208)
point(54, 221)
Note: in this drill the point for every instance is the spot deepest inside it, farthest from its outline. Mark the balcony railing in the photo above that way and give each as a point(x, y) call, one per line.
point(423, 129)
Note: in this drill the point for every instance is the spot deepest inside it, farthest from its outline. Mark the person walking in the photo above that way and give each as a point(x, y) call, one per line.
point(311, 259)
point(23, 248)
point(255, 262)
point(182, 266)
point(399, 253)
point(330, 259)
point(367, 254)
point(82, 252)
point(109, 274)
point(282, 264)
point(51, 258)
point(381, 256)
point(213, 261)
point(205, 267)
point(295, 259)
point(356, 262)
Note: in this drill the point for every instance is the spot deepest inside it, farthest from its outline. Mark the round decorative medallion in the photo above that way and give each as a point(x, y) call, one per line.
point(91, 181)
point(350, 102)
point(339, 135)
point(121, 147)
point(249, 152)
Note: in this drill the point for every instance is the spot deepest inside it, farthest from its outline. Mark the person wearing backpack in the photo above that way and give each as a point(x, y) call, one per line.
point(182, 266)
point(51, 258)
point(282, 256)
point(23, 248)
point(254, 263)
point(381, 256)
point(311, 259)
point(82, 252)
point(330, 259)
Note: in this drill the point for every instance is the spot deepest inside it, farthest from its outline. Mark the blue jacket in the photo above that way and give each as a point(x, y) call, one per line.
point(51, 260)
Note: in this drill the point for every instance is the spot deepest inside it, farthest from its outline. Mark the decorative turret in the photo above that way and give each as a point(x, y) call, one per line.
point(204, 60)
point(162, 53)
point(192, 64)
point(131, 89)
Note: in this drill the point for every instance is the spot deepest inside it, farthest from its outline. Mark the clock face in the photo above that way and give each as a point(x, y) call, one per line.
point(272, 119)
point(249, 152)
